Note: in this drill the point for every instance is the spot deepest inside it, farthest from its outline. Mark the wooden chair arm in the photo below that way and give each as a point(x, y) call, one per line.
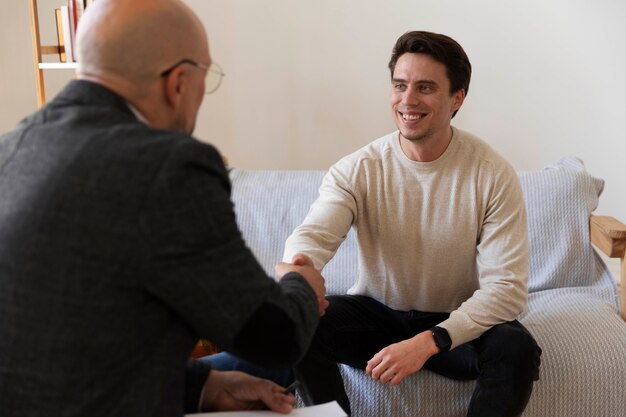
point(609, 235)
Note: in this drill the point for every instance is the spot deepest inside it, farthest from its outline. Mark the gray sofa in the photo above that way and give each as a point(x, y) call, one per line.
point(572, 307)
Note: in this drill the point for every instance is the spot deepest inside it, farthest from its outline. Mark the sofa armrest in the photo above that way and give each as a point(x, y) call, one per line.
point(609, 235)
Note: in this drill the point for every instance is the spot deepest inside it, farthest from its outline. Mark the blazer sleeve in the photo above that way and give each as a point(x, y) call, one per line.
point(200, 266)
point(196, 374)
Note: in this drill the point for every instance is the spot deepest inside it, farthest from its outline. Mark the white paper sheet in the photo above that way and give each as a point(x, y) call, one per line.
point(331, 409)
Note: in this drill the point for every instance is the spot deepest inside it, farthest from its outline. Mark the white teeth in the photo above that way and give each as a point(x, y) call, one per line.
point(411, 116)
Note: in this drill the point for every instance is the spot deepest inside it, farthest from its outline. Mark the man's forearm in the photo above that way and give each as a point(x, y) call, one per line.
point(278, 335)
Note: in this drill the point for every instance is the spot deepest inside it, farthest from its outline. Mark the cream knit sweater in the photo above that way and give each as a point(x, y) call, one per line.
point(442, 236)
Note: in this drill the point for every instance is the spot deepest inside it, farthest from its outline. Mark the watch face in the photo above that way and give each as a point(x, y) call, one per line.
point(442, 339)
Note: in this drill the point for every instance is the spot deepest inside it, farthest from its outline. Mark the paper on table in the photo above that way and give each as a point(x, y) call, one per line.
point(331, 409)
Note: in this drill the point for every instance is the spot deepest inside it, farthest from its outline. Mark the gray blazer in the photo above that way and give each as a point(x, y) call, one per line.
point(118, 250)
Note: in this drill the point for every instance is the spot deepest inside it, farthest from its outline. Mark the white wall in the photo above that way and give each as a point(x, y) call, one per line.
point(18, 96)
point(17, 92)
point(307, 80)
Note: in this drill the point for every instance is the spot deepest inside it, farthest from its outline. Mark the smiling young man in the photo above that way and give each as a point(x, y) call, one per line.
point(443, 252)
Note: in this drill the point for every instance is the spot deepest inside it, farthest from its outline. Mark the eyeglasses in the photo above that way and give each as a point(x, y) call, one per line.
point(213, 77)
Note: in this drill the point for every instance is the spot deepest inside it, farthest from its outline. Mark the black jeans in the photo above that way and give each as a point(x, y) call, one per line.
point(504, 360)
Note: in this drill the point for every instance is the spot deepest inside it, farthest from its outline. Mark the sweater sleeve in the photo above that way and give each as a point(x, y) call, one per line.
point(198, 264)
point(502, 262)
point(328, 222)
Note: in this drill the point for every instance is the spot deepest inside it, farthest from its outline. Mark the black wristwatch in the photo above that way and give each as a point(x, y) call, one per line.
point(442, 338)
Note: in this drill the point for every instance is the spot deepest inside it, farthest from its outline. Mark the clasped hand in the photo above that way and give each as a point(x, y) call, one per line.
point(303, 265)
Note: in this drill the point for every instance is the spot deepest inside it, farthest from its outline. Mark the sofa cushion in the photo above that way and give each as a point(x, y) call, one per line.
point(559, 200)
point(281, 200)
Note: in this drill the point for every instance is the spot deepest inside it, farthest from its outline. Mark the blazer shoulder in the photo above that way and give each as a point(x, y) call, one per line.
point(189, 150)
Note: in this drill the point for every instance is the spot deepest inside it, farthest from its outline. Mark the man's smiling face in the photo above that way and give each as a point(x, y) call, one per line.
point(421, 103)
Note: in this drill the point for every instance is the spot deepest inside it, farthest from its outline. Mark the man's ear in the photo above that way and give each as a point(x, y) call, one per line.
point(457, 99)
point(174, 86)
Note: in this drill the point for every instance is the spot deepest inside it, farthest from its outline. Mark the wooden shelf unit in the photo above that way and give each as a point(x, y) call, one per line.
point(40, 50)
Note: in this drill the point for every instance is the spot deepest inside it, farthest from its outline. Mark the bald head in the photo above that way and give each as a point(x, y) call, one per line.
point(126, 44)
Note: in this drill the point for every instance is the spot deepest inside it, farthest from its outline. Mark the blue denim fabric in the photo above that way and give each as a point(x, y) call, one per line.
point(224, 361)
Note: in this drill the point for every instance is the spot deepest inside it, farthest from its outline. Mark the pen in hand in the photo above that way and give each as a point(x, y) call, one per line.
point(291, 388)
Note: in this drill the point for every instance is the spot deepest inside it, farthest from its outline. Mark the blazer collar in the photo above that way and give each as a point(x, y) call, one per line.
point(90, 93)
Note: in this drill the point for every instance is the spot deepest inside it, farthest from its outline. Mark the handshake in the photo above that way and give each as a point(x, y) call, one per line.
point(303, 265)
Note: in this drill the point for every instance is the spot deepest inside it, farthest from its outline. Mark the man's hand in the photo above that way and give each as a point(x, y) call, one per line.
point(233, 391)
point(303, 265)
point(399, 360)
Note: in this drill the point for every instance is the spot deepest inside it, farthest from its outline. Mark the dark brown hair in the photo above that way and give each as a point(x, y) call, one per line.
point(441, 48)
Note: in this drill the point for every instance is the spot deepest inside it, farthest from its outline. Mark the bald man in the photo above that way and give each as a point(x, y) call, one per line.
point(118, 242)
